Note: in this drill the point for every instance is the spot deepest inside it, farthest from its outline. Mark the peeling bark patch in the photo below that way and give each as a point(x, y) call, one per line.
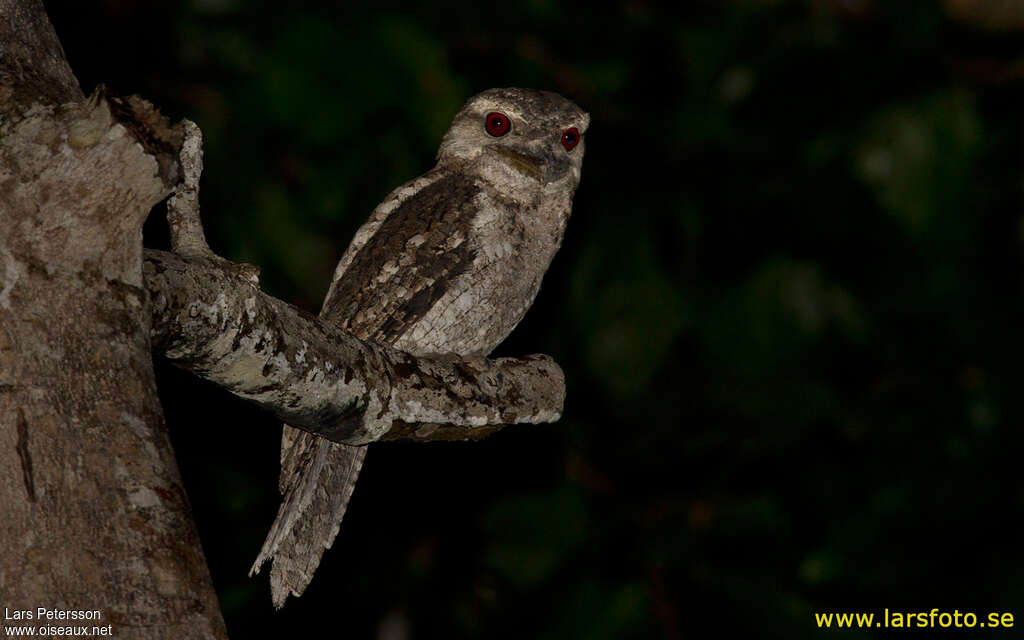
point(152, 130)
point(26, 458)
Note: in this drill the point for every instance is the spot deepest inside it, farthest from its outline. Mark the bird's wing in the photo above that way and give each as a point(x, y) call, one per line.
point(397, 266)
point(399, 272)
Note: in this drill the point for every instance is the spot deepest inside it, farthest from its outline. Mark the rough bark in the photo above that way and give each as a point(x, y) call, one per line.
point(187, 235)
point(210, 317)
point(32, 63)
point(94, 516)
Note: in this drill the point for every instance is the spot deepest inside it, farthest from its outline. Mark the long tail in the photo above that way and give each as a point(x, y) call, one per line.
point(317, 479)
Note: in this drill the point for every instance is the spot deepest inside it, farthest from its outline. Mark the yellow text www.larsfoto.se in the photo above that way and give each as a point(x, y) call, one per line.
point(934, 619)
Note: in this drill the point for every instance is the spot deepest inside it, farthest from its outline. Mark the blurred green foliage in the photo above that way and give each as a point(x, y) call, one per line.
point(788, 307)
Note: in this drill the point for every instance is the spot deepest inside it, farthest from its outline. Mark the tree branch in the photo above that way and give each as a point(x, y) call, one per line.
point(187, 237)
point(210, 317)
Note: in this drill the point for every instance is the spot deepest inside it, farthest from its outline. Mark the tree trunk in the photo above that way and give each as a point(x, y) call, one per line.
point(94, 515)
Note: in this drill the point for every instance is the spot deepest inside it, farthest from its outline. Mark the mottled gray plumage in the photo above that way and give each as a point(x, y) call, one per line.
point(448, 263)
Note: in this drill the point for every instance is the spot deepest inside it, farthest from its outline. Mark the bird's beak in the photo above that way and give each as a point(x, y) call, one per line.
point(528, 165)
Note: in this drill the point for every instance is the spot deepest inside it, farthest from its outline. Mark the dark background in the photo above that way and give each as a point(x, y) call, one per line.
point(789, 306)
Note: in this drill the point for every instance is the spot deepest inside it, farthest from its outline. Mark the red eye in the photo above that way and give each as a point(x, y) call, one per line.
point(497, 124)
point(570, 138)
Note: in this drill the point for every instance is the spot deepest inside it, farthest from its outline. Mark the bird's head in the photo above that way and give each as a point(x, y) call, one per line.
point(519, 136)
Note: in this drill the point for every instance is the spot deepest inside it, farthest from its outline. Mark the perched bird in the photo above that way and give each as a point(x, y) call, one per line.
point(448, 263)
